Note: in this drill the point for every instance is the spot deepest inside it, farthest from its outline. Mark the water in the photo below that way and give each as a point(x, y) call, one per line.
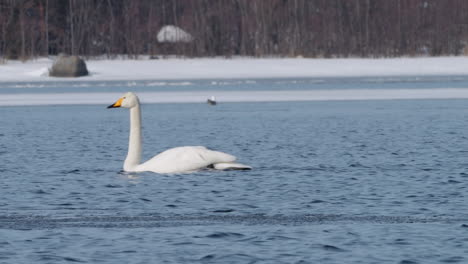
point(333, 182)
point(326, 83)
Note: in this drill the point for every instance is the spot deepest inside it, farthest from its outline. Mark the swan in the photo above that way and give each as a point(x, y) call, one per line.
point(174, 160)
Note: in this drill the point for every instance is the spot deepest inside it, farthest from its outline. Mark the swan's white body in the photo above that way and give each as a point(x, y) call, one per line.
point(175, 160)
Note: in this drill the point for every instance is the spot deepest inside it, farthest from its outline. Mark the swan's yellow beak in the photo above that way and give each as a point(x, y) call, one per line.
point(116, 104)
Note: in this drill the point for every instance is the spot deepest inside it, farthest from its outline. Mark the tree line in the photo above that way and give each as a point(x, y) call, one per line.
point(286, 28)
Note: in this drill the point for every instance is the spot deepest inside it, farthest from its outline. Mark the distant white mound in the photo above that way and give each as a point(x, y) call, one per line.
point(173, 34)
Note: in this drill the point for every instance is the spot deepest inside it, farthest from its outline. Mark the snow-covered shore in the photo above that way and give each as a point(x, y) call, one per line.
point(25, 74)
point(218, 68)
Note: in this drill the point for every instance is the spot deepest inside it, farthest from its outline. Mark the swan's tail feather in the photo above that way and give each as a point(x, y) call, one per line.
point(230, 166)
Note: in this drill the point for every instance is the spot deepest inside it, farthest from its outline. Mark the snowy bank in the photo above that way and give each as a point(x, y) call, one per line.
point(218, 68)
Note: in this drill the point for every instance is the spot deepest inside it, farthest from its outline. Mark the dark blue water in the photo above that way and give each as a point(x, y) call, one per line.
point(333, 182)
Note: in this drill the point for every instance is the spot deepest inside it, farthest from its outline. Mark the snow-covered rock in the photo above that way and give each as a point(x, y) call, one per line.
point(173, 34)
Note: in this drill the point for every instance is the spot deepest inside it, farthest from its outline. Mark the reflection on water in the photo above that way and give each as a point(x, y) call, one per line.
point(131, 177)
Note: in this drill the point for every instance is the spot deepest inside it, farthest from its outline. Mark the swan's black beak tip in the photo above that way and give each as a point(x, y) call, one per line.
point(117, 104)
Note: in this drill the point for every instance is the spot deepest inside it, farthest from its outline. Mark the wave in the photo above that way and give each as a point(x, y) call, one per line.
point(13, 221)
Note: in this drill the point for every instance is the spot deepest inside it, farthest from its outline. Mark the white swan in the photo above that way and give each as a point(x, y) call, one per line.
point(174, 160)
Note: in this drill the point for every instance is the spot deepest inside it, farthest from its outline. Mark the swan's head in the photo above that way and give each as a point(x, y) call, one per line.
point(128, 100)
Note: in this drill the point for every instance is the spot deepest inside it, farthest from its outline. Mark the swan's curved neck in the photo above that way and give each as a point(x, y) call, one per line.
point(134, 143)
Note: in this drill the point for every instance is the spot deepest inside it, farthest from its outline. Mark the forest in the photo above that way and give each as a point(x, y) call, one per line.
point(258, 28)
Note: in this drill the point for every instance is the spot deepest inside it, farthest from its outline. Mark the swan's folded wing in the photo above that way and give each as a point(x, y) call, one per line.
point(183, 159)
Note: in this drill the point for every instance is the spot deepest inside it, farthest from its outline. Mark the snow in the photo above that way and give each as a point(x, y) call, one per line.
point(164, 72)
point(238, 68)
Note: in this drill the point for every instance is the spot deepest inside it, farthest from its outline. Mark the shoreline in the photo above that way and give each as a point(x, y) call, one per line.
point(239, 68)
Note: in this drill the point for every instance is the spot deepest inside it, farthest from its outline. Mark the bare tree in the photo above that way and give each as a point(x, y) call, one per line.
point(310, 28)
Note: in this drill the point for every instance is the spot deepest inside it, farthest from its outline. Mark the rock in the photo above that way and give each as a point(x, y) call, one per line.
point(68, 66)
point(211, 100)
point(173, 34)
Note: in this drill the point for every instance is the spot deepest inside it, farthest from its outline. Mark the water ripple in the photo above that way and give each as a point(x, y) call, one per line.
point(109, 221)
